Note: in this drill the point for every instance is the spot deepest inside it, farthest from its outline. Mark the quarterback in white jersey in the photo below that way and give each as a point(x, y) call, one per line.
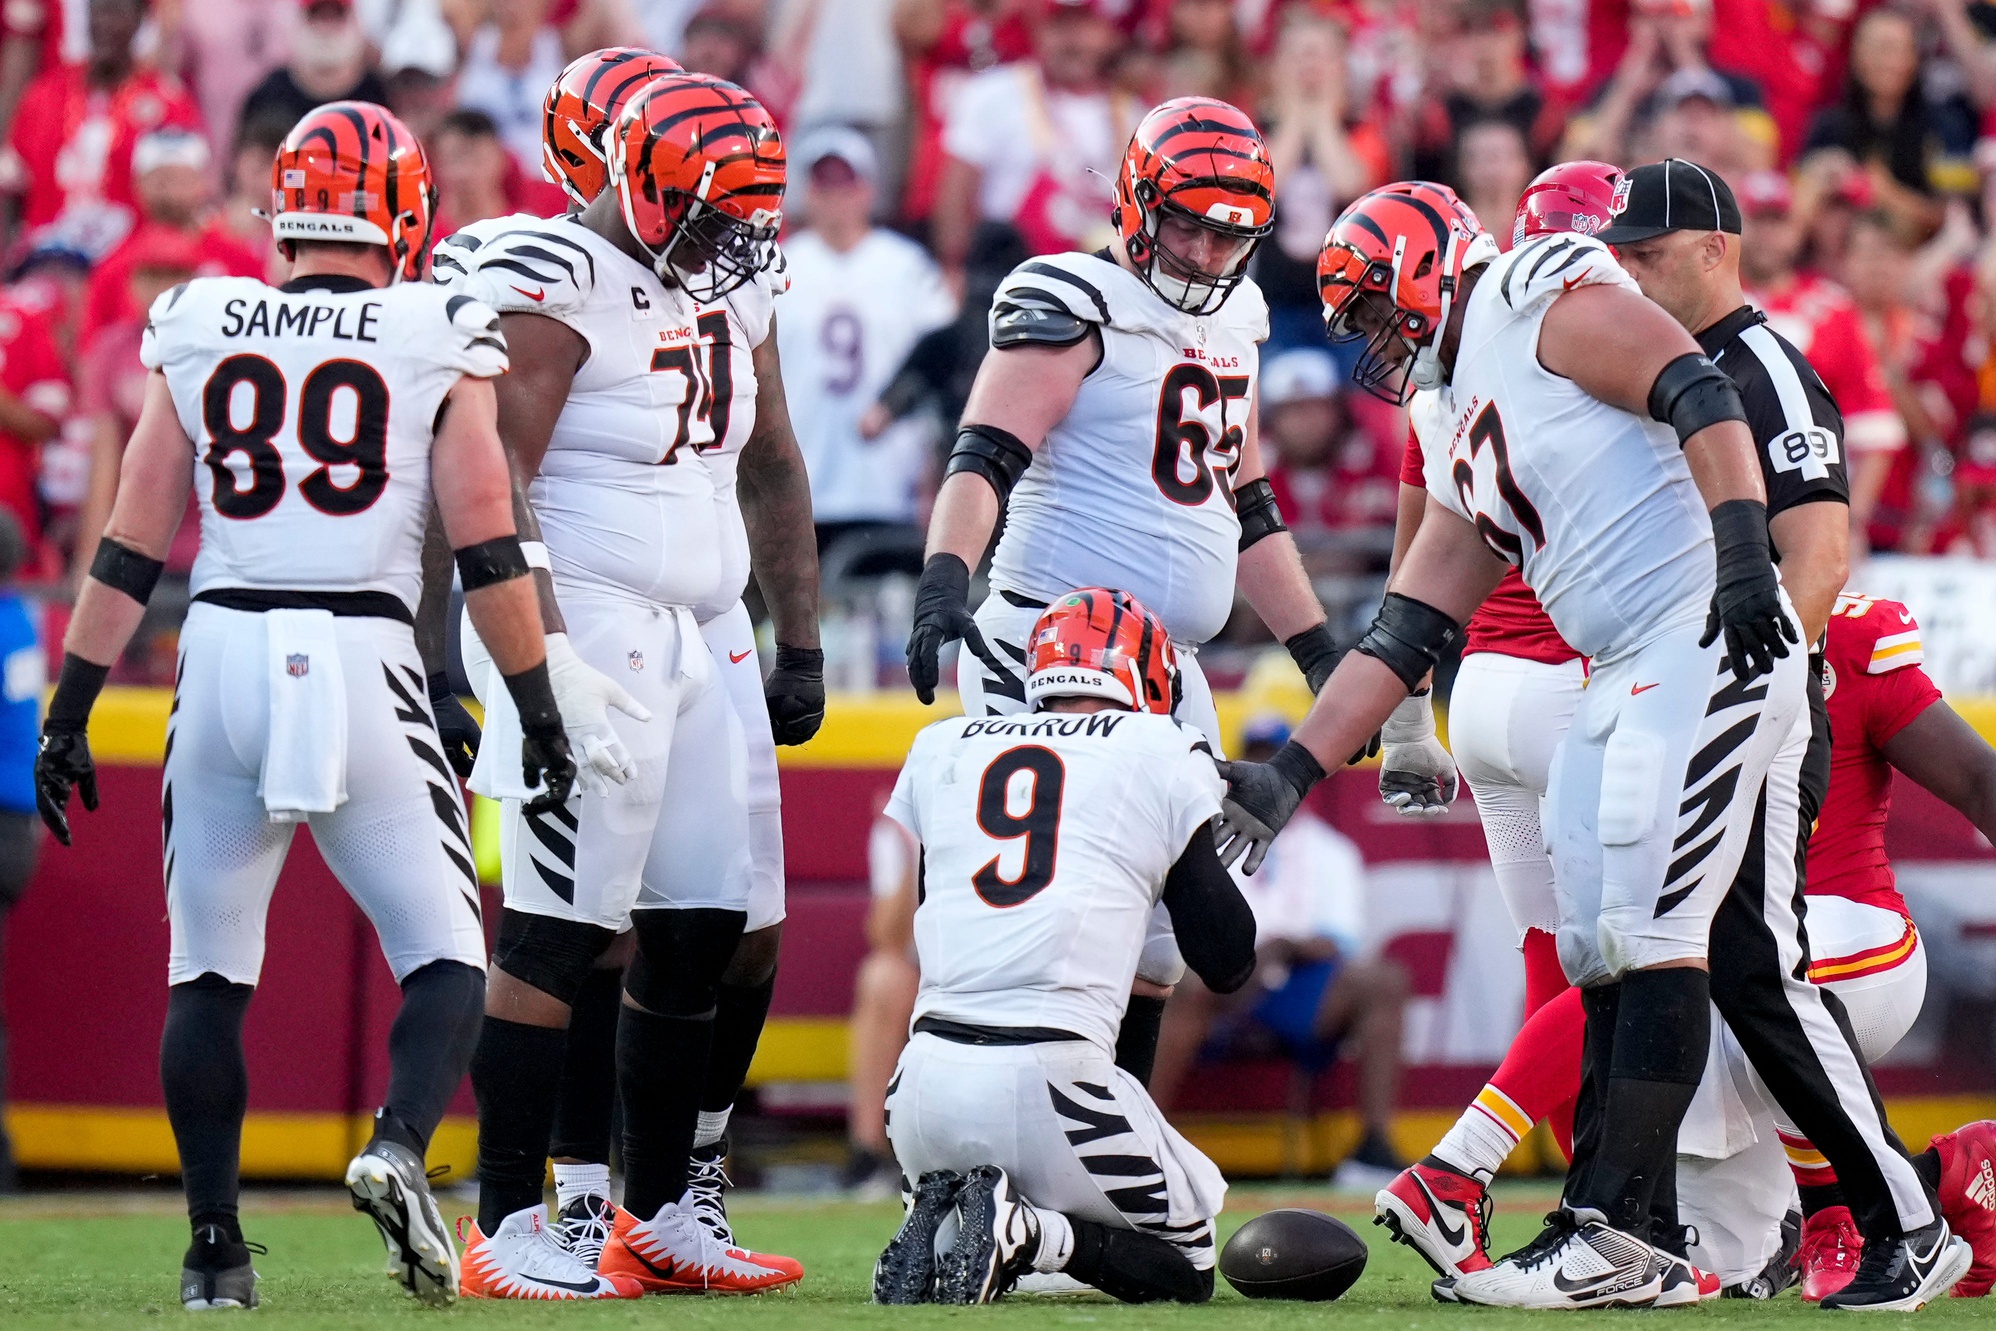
point(1047, 840)
point(314, 422)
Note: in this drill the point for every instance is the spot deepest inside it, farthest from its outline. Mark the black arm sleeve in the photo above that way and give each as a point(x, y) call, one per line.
point(1214, 925)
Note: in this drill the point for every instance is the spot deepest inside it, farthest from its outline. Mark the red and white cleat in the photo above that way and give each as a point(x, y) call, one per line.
point(1440, 1214)
point(673, 1253)
point(1968, 1199)
point(523, 1259)
point(706, 1198)
point(1830, 1251)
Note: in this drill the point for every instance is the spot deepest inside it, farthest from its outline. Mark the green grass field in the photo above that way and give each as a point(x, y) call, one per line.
point(111, 1260)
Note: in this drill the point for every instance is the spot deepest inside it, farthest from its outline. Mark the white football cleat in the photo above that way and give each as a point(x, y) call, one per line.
point(1575, 1263)
point(523, 1259)
point(387, 1182)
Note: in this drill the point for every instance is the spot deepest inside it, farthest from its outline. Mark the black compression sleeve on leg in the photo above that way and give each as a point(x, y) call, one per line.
point(661, 1071)
point(1136, 1039)
point(1601, 1005)
point(429, 1049)
point(206, 1080)
point(740, 1011)
point(1134, 1267)
point(589, 1075)
point(1662, 1037)
point(516, 1073)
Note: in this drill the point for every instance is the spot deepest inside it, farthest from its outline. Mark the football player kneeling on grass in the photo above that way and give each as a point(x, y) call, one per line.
point(1047, 839)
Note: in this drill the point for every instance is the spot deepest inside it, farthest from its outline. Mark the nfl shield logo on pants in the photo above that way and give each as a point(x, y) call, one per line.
point(297, 665)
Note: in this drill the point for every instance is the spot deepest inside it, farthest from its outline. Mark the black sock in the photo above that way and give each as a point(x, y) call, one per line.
point(1134, 1267)
point(1822, 1198)
point(1136, 1041)
point(1665, 1230)
point(589, 1077)
point(657, 1062)
point(516, 1073)
point(1662, 1038)
point(429, 1049)
point(206, 1080)
point(1927, 1164)
point(1602, 1007)
point(739, 1015)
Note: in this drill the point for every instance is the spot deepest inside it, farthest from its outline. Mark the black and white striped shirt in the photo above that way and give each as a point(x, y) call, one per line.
point(1795, 421)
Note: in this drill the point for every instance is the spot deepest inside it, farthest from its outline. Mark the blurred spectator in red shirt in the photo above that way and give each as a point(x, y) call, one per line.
point(248, 188)
point(34, 399)
point(1823, 322)
point(1204, 52)
point(1493, 164)
point(507, 66)
point(172, 177)
point(1037, 143)
point(31, 37)
point(1666, 99)
point(72, 155)
point(1788, 48)
point(1324, 154)
point(943, 43)
point(112, 384)
point(477, 178)
point(329, 62)
point(226, 48)
point(1576, 44)
point(1484, 61)
point(1337, 484)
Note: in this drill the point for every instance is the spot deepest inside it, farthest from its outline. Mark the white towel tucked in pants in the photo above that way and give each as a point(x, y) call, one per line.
point(305, 748)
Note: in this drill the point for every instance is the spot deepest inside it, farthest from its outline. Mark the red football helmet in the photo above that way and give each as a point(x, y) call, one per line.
point(699, 170)
point(352, 172)
point(1202, 160)
point(1573, 196)
point(1396, 255)
point(581, 106)
point(1097, 643)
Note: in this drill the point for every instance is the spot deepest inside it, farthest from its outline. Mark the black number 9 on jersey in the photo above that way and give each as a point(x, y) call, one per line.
point(1039, 824)
point(367, 450)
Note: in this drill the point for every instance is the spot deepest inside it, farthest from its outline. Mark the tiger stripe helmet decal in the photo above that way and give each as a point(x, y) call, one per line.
point(352, 172)
point(1202, 160)
point(1098, 643)
point(698, 166)
point(582, 104)
point(1397, 254)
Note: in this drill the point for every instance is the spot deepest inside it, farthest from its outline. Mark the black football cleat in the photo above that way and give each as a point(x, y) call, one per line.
point(996, 1240)
point(906, 1270)
point(1907, 1275)
point(216, 1272)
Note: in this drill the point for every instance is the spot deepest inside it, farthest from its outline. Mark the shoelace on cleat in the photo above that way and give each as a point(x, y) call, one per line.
point(585, 1234)
point(705, 1180)
point(1482, 1216)
point(1559, 1227)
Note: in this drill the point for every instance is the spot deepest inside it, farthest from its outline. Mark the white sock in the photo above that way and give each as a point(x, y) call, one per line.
point(1483, 1137)
point(712, 1126)
point(572, 1181)
point(1056, 1240)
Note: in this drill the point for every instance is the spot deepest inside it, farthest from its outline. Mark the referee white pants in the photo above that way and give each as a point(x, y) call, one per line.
point(398, 844)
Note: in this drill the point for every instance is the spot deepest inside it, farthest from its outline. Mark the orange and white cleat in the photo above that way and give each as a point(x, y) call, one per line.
point(1968, 1199)
point(1440, 1214)
point(706, 1184)
point(524, 1259)
point(1831, 1249)
point(673, 1253)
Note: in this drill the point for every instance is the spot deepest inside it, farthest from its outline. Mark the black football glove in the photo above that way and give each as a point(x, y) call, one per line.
point(545, 761)
point(1260, 800)
point(795, 692)
point(1746, 602)
point(942, 615)
point(61, 763)
point(455, 727)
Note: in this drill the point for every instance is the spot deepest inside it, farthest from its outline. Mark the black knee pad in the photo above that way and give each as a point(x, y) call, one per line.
point(681, 956)
point(554, 956)
point(754, 962)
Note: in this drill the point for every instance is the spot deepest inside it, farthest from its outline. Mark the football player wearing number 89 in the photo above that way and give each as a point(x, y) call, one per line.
point(326, 411)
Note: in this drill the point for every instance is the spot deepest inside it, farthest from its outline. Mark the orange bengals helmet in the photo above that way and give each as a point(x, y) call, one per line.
point(1097, 643)
point(1200, 160)
point(1573, 196)
point(581, 105)
point(699, 170)
point(1393, 260)
point(352, 172)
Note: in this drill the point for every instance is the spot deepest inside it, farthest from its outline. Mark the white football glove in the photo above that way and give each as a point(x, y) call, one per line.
point(1416, 774)
point(585, 696)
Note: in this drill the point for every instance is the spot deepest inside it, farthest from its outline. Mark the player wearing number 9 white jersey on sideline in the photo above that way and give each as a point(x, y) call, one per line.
point(1113, 423)
point(314, 421)
point(637, 319)
point(1047, 841)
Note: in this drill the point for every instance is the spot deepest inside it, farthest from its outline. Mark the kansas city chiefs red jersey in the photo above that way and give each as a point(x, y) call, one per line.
point(1823, 322)
point(1510, 622)
point(1874, 686)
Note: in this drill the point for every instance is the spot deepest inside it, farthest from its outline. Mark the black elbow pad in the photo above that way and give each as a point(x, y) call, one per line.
point(1410, 637)
point(124, 569)
point(498, 560)
point(1692, 393)
point(999, 456)
point(1254, 504)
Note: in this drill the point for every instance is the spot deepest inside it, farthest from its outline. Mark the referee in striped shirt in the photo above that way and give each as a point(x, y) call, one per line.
point(1676, 227)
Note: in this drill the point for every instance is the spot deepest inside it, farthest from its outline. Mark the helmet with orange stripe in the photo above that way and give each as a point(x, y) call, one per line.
point(1389, 272)
point(1096, 643)
point(698, 168)
point(351, 172)
point(1194, 197)
point(1573, 196)
point(580, 107)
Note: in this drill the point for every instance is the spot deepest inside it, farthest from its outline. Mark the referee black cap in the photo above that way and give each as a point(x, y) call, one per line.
point(1671, 195)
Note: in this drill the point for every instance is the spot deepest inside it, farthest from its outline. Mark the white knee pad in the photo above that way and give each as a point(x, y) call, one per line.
point(1631, 785)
